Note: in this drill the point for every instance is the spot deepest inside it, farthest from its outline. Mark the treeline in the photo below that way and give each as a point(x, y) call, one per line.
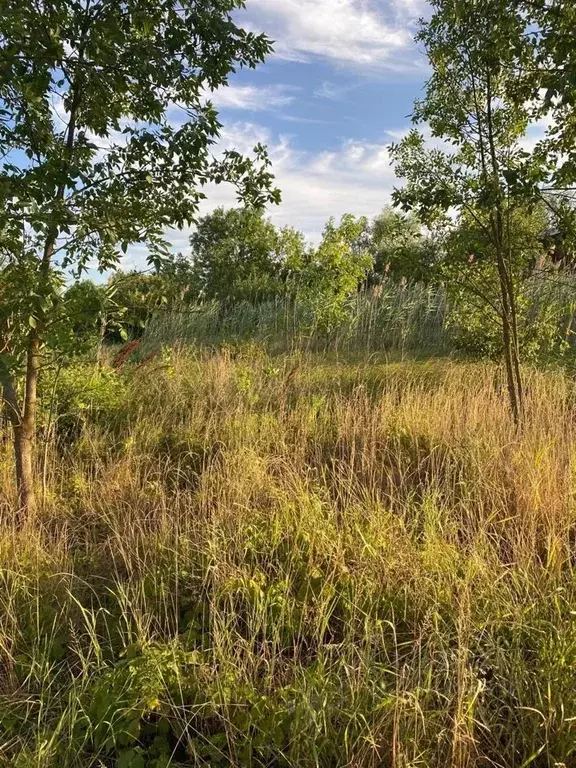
point(239, 256)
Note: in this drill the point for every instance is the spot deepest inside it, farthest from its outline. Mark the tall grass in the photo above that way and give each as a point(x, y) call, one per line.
point(406, 318)
point(413, 319)
point(255, 560)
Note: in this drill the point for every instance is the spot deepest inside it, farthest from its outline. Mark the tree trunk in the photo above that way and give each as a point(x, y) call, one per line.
point(24, 419)
point(23, 455)
point(515, 343)
point(23, 438)
point(510, 342)
point(511, 378)
point(507, 292)
point(29, 423)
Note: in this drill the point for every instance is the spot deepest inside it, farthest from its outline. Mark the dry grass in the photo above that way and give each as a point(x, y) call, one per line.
point(280, 561)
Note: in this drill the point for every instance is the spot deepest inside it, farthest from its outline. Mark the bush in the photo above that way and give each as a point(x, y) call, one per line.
point(80, 393)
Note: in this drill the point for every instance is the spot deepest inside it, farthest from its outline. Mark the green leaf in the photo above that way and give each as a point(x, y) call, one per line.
point(125, 758)
point(511, 176)
point(129, 758)
point(64, 193)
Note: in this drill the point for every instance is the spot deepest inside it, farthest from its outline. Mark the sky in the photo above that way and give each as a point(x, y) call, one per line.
point(338, 89)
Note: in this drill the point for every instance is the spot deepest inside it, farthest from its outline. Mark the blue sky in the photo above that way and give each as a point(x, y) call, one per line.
point(338, 89)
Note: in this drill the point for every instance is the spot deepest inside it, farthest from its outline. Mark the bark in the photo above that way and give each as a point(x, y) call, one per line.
point(23, 449)
point(24, 420)
point(507, 292)
point(509, 329)
point(510, 362)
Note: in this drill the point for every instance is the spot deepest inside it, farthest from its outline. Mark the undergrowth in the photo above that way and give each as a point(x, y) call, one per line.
point(255, 560)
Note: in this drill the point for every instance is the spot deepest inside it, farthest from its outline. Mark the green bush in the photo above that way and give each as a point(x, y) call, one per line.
point(80, 392)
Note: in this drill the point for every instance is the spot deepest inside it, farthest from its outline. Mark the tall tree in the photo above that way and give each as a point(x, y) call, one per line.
point(239, 254)
point(331, 273)
point(106, 137)
point(479, 104)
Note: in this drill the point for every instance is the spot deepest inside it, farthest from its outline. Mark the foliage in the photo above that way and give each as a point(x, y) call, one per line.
point(400, 249)
point(86, 306)
point(134, 297)
point(390, 316)
point(79, 391)
point(94, 157)
point(550, 27)
point(472, 106)
point(68, 202)
point(469, 268)
point(240, 255)
point(334, 271)
point(480, 107)
point(411, 318)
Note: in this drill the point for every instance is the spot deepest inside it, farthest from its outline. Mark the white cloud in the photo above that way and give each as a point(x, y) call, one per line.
point(332, 91)
point(360, 32)
point(414, 8)
point(355, 178)
point(252, 97)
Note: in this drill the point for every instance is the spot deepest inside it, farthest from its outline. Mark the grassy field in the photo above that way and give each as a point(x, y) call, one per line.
point(290, 560)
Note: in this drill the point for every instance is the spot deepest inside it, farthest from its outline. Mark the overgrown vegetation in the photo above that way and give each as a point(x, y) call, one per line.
point(247, 559)
point(92, 161)
point(319, 510)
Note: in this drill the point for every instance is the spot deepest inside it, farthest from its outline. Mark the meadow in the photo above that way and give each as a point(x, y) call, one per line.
point(292, 559)
point(319, 512)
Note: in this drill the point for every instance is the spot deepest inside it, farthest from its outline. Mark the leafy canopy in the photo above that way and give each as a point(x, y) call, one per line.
point(238, 254)
point(400, 248)
point(479, 105)
point(107, 136)
point(550, 27)
point(334, 271)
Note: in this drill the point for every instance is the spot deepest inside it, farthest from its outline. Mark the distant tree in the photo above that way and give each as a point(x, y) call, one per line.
point(400, 248)
point(119, 308)
point(331, 273)
point(133, 299)
point(238, 254)
point(85, 304)
point(180, 280)
point(92, 158)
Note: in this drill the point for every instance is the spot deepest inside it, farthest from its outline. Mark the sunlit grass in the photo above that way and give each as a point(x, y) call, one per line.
point(255, 560)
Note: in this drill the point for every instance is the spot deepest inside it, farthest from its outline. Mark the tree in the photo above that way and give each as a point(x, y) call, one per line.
point(399, 247)
point(135, 296)
point(86, 305)
point(238, 254)
point(106, 137)
point(332, 272)
point(480, 106)
point(468, 268)
point(181, 281)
